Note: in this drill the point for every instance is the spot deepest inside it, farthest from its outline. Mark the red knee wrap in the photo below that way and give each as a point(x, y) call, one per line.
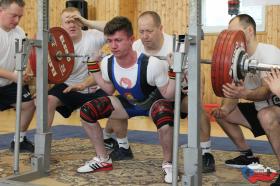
point(96, 109)
point(162, 113)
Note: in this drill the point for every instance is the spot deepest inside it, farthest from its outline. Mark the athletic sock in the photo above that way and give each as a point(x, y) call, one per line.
point(123, 142)
point(205, 147)
point(21, 136)
point(106, 135)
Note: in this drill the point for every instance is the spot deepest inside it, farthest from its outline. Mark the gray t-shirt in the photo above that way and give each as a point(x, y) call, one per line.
point(267, 54)
point(90, 45)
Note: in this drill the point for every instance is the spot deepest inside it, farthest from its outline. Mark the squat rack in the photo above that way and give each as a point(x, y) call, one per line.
point(192, 153)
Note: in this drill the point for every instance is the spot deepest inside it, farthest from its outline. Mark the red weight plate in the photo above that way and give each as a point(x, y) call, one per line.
point(215, 65)
point(32, 60)
point(222, 67)
point(237, 40)
point(223, 53)
point(60, 68)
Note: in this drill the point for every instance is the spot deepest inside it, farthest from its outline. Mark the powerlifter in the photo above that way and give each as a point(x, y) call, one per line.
point(143, 91)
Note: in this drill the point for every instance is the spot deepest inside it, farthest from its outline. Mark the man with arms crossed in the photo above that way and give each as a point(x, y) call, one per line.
point(11, 12)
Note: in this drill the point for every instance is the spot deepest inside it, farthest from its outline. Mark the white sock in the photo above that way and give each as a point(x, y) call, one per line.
point(123, 142)
point(104, 159)
point(21, 136)
point(106, 135)
point(205, 147)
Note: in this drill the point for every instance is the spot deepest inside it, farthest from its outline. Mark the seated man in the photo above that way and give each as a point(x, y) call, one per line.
point(132, 75)
point(260, 115)
point(10, 14)
point(75, 91)
point(269, 117)
point(154, 42)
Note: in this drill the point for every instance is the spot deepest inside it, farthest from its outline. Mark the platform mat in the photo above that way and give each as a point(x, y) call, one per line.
point(66, 131)
point(145, 169)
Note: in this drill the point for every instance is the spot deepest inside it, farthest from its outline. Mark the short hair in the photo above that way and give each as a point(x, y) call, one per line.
point(117, 24)
point(70, 9)
point(154, 15)
point(245, 20)
point(7, 3)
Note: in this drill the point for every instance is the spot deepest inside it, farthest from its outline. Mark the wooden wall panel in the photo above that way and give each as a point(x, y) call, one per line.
point(106, 9)
point(174, 14)
point(29, 19)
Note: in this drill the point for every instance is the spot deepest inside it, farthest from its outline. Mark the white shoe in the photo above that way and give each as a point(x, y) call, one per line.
point(167, 170)
point(96, 165)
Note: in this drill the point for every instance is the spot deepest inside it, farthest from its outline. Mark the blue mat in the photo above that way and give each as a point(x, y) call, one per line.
point(66, 131)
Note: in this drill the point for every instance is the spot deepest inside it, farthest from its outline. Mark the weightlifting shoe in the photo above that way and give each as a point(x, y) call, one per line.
point(111, 144)
point(208, 163)
point(242, 161)
point(96, 165)
point(24, 146)
point(167, 171)
point(121, 154)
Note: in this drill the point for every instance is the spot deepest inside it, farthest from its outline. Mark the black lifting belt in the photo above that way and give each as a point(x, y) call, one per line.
point(146, 104)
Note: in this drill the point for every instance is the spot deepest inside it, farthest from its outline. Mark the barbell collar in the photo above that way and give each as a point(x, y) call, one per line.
point(255, 66)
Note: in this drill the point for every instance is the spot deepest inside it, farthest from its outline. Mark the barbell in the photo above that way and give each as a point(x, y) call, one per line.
point(61, 56)
point(230, 61)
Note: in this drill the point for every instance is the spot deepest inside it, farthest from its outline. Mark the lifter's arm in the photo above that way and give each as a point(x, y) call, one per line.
point(168, 90)
point(8, 75)
point(88, 82)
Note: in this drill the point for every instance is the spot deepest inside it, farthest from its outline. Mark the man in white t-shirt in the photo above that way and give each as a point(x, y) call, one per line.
point(272, 79)
point(269, 117)
point(10, 15)
point(141, 91)
point(154, 42)
point(74, 92)
point(259, 115)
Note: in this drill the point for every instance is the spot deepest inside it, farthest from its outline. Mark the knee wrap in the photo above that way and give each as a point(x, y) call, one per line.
point(96, 109)
point(162, 113)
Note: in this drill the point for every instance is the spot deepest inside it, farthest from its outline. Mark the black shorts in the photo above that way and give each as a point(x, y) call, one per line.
point(72, 100)
point(182, 114)
point(8, 95)
point(251, 114)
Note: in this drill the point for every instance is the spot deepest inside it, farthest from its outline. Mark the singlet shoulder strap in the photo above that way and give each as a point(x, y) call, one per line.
point(110, 67)
point(144, 83)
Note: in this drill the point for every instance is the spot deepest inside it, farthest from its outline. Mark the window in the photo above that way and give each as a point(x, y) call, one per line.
point(215, 16)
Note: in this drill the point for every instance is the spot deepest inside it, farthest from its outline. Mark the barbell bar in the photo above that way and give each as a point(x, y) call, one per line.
point(204, 61)
point(60, 54)
point(230, 61)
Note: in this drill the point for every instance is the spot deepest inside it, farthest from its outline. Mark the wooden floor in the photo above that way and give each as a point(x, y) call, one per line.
point(7, 120)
